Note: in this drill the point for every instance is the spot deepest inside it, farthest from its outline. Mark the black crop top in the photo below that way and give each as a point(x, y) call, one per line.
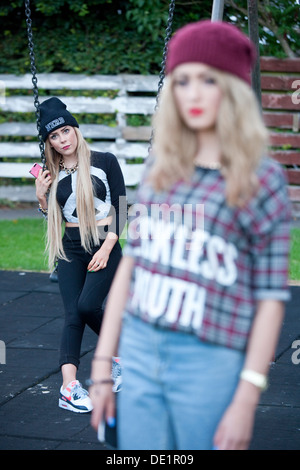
point(109, 191)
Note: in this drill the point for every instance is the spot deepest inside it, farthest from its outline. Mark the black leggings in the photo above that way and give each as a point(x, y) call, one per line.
point(83, 292)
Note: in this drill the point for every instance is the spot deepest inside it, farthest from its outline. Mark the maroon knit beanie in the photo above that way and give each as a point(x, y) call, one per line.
point(217, 44)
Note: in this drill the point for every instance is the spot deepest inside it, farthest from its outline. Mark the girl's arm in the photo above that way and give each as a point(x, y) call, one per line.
point(236, 426)
point(117, 216)
point(101, 394)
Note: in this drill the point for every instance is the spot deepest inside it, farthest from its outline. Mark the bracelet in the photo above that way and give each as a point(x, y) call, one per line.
point(255, 378)
point(43, 211)
point(102, 358)
point(90, 382)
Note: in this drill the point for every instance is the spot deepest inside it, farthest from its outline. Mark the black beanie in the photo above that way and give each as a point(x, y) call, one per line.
point(53, 115)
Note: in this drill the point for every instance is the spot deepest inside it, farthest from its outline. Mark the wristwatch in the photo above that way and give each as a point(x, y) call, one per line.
point(255, 378)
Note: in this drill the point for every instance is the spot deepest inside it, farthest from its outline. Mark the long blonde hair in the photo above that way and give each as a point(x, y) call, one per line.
point(84, 201)
point(240, 129)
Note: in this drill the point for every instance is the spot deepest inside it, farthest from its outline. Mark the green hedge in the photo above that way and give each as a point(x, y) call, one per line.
point(114, 36)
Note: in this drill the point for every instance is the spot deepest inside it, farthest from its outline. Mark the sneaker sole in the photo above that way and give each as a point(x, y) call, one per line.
point(68, 406)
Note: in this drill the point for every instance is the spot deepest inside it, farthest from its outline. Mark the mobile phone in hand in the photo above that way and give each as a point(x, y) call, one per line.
point(35, 170)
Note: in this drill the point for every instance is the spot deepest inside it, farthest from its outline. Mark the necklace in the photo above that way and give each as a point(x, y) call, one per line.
point(68, 171)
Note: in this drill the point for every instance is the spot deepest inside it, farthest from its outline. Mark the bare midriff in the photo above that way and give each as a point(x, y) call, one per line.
point(105, 221)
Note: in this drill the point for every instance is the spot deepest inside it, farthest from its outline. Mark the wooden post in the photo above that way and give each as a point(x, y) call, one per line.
point(254, 36)
point(217, 10)
point(217, 15)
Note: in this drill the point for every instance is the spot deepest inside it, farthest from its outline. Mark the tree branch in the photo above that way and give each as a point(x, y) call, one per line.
point(265, 19)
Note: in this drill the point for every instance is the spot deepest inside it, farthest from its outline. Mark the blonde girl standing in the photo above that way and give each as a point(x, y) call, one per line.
point(203, 281)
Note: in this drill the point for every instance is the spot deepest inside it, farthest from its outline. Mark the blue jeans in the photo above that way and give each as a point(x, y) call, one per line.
point(175, 388)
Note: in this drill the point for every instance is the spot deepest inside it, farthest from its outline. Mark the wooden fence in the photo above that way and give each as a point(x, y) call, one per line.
point(280, 83)
point(124, 98)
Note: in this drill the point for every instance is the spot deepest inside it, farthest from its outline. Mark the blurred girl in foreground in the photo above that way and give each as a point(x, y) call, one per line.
point(197, 303)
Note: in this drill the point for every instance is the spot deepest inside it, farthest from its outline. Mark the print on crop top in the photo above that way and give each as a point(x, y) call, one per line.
point(206, 279)
point(108, 187)
point(66, 194)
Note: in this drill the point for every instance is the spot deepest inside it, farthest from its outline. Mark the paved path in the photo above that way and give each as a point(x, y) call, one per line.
point(29, 212)
point(31, 320)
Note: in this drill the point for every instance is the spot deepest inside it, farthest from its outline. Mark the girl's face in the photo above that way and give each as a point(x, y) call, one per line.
point(64, 141)
point(197, 96)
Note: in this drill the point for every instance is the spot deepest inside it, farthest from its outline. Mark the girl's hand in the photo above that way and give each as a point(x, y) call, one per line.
point(101, 393)
point(103, 401)
point(42, 184)
point(235, 428)
point(99, 260)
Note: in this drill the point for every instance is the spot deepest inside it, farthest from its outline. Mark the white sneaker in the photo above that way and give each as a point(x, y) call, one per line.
point(75, 398)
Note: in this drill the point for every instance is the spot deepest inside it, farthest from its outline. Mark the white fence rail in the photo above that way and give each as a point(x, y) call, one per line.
point(119, 97)
point(126, 142)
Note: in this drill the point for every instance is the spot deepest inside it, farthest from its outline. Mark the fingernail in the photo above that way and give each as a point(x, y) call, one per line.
point(111, 421)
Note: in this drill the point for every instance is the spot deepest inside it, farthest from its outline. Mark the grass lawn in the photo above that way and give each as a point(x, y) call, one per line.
point(22, 243)
point(295, 255)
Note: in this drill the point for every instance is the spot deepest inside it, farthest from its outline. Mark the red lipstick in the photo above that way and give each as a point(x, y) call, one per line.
point(196, 111)
point(66, 147)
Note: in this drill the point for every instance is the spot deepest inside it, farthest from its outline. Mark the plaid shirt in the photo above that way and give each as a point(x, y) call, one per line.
point(200, 266)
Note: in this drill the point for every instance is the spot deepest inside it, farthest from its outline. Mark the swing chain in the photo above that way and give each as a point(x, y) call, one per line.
point(34, 79)
point(163, 62)
point(165, 50)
